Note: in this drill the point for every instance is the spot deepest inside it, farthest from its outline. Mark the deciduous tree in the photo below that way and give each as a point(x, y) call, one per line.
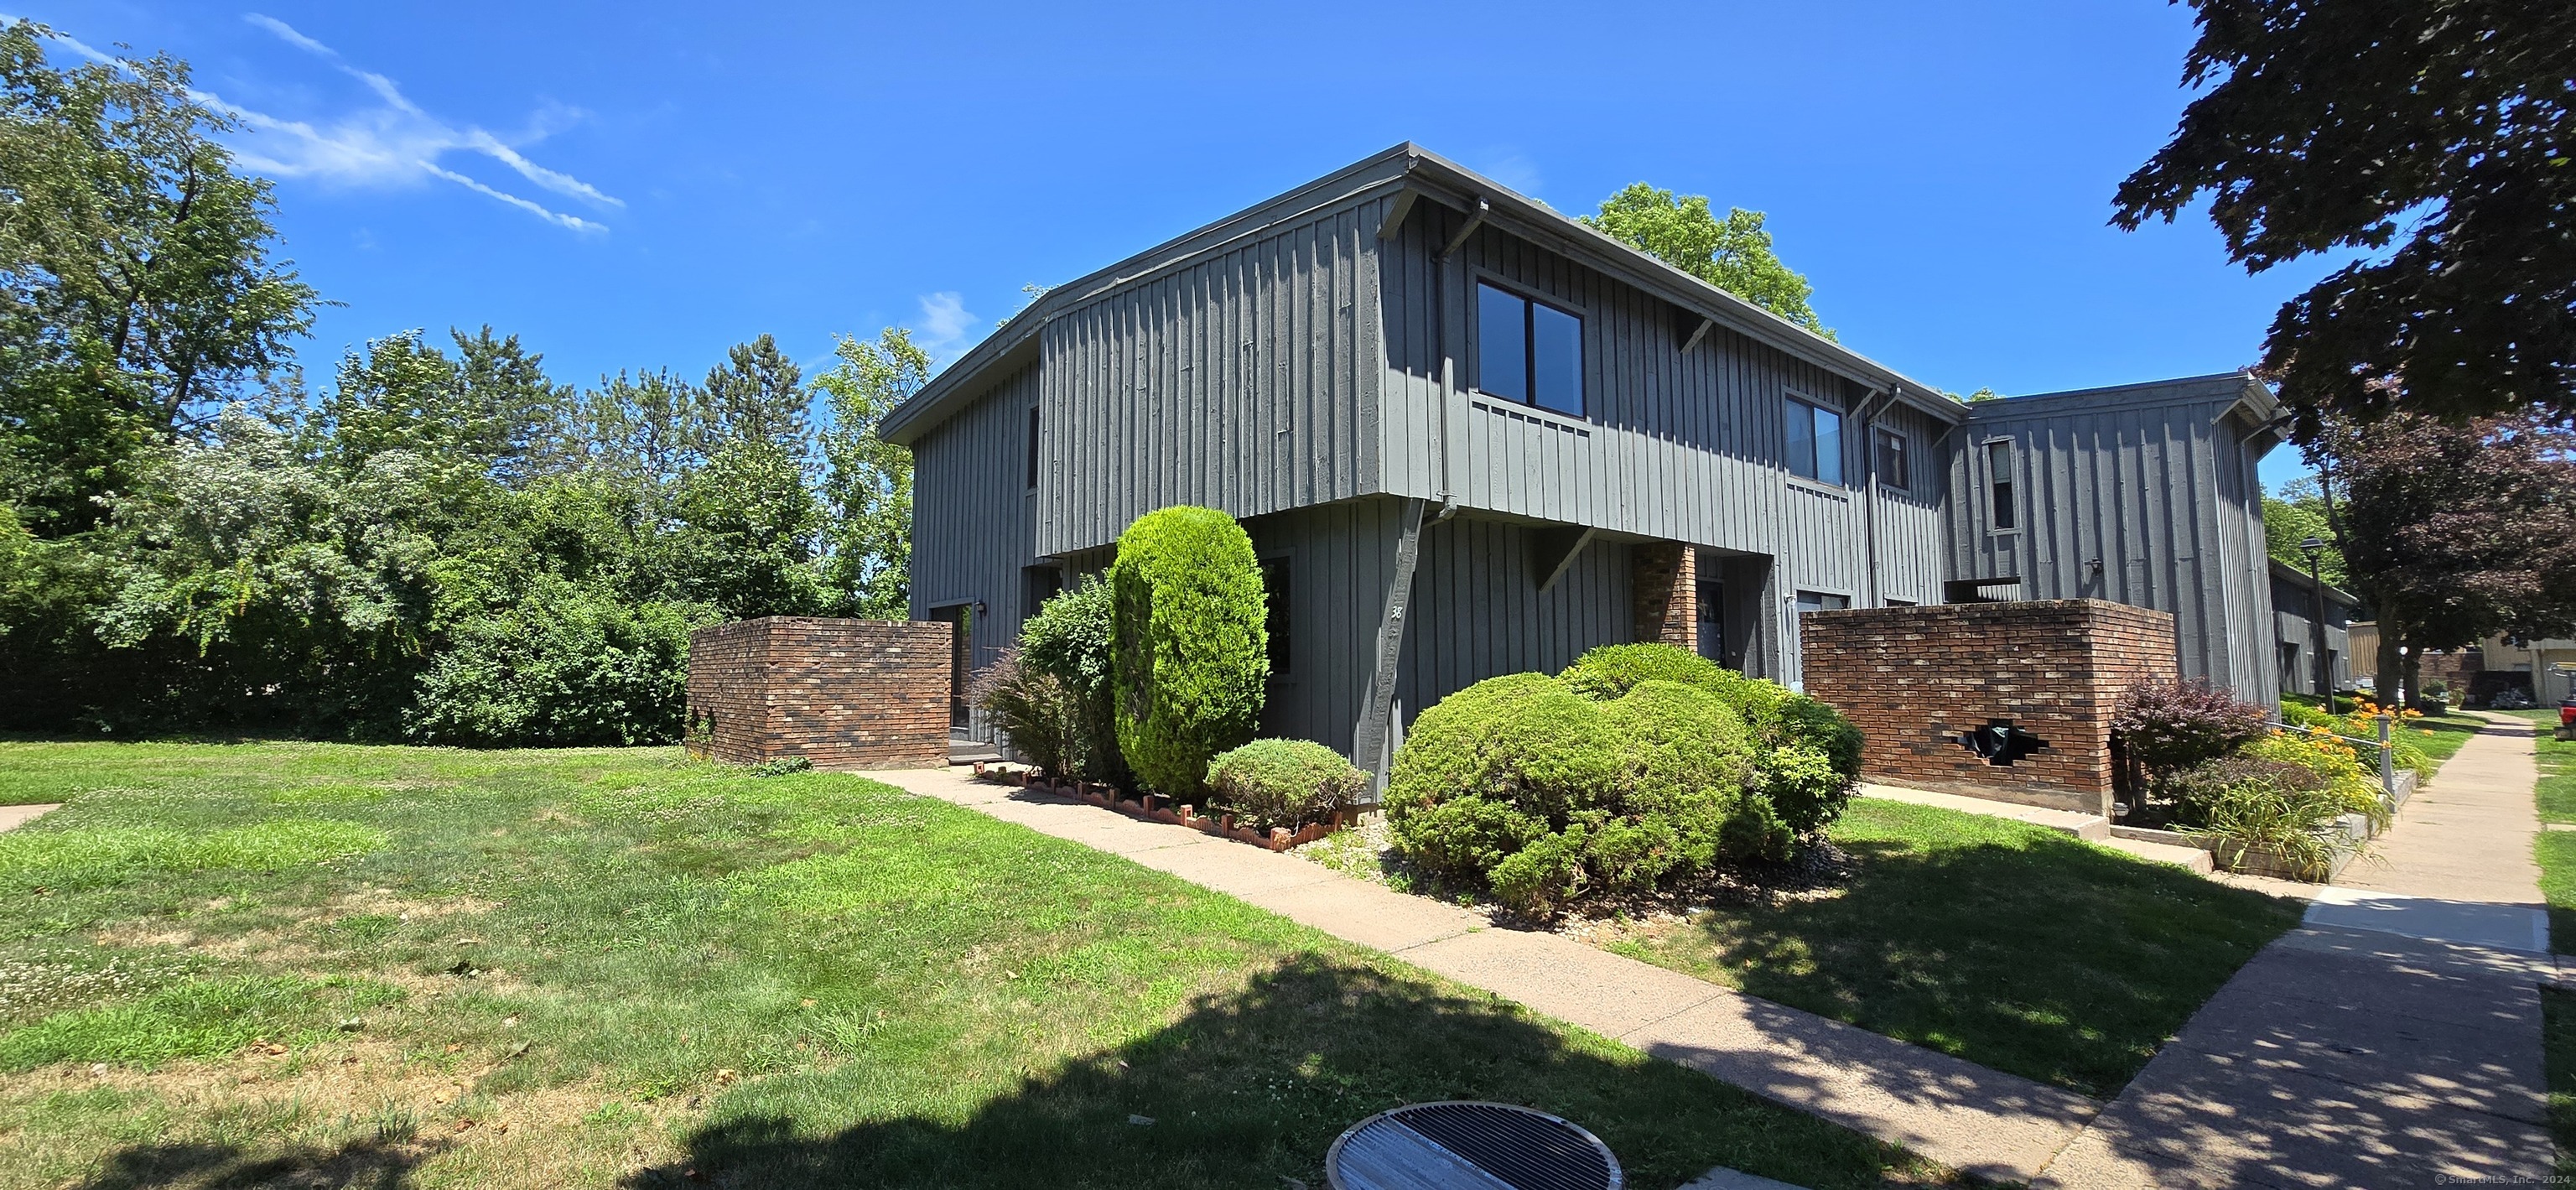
point(867, 481)
point(136, 284)
point(1733, 254)
point(2434, 137)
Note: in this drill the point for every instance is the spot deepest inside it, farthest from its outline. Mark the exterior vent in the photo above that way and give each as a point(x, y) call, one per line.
point(1470, 1146)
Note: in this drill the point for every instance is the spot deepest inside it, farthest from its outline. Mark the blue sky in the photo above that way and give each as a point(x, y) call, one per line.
point(638, 185)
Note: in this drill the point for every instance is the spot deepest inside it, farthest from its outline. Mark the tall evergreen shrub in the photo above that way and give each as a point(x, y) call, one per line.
point(1191, 650)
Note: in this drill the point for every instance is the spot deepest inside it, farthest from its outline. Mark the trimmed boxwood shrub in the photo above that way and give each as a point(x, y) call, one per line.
point(1283, 782)
point(1522, 786)
point(1794, 732)
point(1190, 651)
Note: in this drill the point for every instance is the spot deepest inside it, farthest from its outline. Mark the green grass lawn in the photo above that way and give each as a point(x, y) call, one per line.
point(2012, 946)
point(2558, 1047)
point(2555, 850)
point(333, 965)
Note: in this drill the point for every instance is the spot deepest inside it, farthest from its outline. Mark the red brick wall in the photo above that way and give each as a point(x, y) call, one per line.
point(845, 694)
point(1666, 586)
point(1915, 678)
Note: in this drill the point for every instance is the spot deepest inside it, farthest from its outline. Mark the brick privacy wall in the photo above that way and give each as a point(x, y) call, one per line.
point(845, 694)
point(1915, 678)
point(1667, 589)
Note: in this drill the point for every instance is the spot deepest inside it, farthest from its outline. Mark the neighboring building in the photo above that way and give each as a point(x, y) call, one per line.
point(2295, 644)
point(2551, 664)
point(1470, 436)
point(2143, 494)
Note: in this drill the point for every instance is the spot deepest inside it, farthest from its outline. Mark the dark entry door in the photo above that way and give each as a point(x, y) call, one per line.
point(1712, 621)
point(961, 662)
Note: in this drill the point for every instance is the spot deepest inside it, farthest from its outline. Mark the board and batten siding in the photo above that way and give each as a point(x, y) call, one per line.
point(2147, 482)
point(973, 510)
point(1243, 379)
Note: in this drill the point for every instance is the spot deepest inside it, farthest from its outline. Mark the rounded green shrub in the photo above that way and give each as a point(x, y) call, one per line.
point(1283, 782)
point(1783, 723)
point(1190, 652)
point(1523, 786)
point(1069, 641)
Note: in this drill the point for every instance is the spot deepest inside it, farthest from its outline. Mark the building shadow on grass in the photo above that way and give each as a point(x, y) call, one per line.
point(2038, 955)
point(359, 1165)
point(1249, 1089)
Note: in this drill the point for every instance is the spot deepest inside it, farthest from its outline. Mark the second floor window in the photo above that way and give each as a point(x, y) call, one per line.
point(1999, 485)
point(1892, 472)
point(1815, 442)
point(1527, 351)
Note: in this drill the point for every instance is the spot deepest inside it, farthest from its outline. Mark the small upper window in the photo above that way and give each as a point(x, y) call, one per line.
point(1528, 351)
point(1999, 484)
point(1033, 446)
point(1818, 601)
point(1892, 461)
point(1815, 442)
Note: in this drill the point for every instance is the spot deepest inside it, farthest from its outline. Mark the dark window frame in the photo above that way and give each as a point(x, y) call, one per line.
point(1881, 440)
point(1033, 447)
point(1530, 305)
point(1797, 404)
point(2003, 511)
point(1278, 599)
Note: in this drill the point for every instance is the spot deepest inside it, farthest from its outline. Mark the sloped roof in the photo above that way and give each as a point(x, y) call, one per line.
point(1406, 166)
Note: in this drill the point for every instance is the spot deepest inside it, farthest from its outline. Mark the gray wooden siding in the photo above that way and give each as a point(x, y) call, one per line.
point(2138, 484)
point(972, 513)
point(1478, 611)
point(1339, 557)
point(1239, 381)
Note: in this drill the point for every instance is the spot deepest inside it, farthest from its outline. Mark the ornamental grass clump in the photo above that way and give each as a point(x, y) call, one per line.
point(1040, 712)
point(1190, 652)
point(1283, 783)
point(1526, 788)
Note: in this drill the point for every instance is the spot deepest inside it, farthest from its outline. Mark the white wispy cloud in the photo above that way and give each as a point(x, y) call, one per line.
point(945, 322)
point(391, 143)
point(396, 142)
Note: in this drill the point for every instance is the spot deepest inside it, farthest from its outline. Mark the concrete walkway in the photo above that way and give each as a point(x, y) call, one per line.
point(1996, 1125)
point(2392, 1040)
point(13, 817)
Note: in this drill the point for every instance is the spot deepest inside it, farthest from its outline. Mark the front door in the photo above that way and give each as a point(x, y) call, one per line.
point(1712, 621)
point(961, 662)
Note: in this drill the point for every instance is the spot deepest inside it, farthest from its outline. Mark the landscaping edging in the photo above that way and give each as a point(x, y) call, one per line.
point(1151, 807)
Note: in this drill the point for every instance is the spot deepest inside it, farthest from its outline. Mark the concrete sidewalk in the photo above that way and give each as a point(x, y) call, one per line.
point(1996, 1125)
point(2392, 1040)
point(13, 817)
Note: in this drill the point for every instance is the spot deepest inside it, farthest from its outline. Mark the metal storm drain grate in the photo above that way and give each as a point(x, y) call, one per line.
point(1470, 1146)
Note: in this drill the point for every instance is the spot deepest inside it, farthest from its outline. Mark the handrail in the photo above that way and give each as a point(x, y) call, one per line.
point(2387, 750)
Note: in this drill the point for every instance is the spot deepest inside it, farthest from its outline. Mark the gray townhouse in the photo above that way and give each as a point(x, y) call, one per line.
point(1470, 436)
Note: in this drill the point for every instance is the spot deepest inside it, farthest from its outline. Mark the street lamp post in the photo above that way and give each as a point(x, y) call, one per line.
point(2313, 547)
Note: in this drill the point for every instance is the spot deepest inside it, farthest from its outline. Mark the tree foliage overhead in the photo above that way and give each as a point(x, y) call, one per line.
point(136, 285)
point(2295, 517)
point(867, 481)
point(2435, 137)
point(1733, 254)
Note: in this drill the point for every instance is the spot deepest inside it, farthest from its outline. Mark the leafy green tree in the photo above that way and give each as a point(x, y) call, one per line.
point(136, 284)
point(1733, 254)
point(867, 481)
point(2433, 136)
point(2454, 533)
point(756, 395)
point(2286, 523)
point(747, 534)
point(489, 410)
